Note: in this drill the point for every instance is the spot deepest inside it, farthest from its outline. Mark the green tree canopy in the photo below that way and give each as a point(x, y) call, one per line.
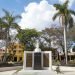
point(28, 37)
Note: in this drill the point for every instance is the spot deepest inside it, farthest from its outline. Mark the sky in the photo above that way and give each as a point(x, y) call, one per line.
point(35, 13)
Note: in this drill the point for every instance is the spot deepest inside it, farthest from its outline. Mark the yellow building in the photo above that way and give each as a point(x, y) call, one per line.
point(2, 51)
point(17, 50)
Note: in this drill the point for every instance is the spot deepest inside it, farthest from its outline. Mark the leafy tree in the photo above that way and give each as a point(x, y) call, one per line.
point(10, 22)
point(72, 32)
point(67, 21)
point(28, 37)
point(50, 33)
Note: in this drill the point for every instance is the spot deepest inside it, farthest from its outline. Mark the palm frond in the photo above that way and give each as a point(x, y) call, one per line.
point(57, 6)
point(16, 17)
point(66, 3)
point(6, 12)
point(56, 15)
point(72, 12)
point(2, 23)
point(15, 25)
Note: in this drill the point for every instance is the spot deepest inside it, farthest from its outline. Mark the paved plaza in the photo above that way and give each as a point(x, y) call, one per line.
point(64, 71)
point(36, 72)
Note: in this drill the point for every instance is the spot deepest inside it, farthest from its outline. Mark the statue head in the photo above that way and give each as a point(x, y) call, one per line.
point(37, 49)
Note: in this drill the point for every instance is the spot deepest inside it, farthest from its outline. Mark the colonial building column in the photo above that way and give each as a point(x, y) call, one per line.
point(50, 60)
point(24, 62)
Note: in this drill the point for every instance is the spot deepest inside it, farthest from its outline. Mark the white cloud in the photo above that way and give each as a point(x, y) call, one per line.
point(70, 2)
point(37, 15)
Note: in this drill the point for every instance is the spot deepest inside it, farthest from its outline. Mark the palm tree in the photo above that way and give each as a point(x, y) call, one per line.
point(65, 15)
point(10, 22)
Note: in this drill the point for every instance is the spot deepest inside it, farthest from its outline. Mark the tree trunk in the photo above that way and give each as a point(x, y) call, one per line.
point(65, 43)
point(5, 55)
point(65, 38)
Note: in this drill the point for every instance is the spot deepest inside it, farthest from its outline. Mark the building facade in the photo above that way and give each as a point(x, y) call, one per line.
point(17, 50)
point(2, 51)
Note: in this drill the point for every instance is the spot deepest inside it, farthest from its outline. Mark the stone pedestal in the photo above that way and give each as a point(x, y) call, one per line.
point(37, 60)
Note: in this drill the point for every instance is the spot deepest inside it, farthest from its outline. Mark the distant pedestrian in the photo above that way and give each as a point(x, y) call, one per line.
point(58, 70)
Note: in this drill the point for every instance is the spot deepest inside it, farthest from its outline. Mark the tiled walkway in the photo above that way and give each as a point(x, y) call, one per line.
point(35, 72)
point(64, 71)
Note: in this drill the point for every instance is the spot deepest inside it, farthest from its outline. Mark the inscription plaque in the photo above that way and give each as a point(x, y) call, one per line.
point(37, 61)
